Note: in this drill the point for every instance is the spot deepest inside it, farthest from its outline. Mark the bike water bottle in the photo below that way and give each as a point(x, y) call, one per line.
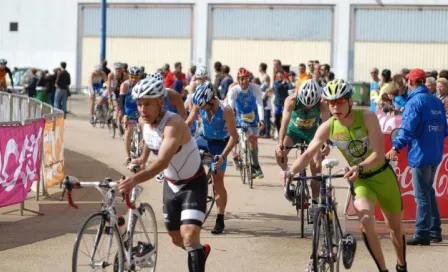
point(122, 226)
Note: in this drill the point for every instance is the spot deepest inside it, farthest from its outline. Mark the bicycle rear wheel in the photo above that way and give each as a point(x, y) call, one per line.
point(300, 206)
point(144, 239)
point(322, 259)
point(250, 180)
point(210, 195)
point(242, 163)
point(97, 231)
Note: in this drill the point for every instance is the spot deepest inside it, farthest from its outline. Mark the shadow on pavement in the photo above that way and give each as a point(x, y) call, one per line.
point(59, 218)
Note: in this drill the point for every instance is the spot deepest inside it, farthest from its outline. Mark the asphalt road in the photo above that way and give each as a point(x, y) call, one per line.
point(262, 232)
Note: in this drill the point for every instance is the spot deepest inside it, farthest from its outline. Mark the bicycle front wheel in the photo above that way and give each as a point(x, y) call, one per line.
point(250, 180)
point(322, 254)
point(98, 246)
point(144, 239)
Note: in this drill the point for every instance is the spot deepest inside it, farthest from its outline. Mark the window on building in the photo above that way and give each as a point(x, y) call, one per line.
point(13, 26)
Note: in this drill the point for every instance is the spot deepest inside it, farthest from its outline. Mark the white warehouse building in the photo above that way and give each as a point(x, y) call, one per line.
point(351, 35)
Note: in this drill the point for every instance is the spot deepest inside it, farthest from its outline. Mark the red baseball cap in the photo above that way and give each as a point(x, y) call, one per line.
point(416, 74)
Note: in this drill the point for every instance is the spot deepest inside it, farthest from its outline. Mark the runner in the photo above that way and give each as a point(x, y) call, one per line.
point(220, 135)
point(129, 107)
point(246, 99)
point(301, 117)
point(185, 190)
point(358, 136)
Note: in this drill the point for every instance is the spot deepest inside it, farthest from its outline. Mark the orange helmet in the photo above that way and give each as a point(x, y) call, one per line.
point(243, 73)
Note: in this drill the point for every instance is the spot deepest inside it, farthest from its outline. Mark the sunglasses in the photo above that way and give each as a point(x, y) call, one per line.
point(339, 101)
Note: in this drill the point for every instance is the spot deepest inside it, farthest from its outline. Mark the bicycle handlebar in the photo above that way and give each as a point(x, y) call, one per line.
point(320, 177)
point(204, 154)
point(74, 183)
point(296, 146)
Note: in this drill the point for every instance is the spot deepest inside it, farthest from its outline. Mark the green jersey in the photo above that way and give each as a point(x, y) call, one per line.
point(304, 122)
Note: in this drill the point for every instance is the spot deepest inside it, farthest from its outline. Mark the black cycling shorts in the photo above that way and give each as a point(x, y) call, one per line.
point(188, 205)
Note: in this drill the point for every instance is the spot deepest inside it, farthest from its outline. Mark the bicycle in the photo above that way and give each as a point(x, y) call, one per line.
point(131, 255)
point(100, 115)
point(300, 195)
point(245, 156)
point(112, 119)
point(211, 195)
point(334, 242)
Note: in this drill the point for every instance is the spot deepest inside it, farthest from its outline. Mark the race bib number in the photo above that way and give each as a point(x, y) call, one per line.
point(305, 123)
point(248, 117)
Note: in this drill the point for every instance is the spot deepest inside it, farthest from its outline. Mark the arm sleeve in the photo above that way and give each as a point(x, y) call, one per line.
point(231, 97)
point(259, 98)
point(408, 126)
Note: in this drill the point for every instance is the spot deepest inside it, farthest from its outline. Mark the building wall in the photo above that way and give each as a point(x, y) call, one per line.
point(384, 38)
point(48, 30)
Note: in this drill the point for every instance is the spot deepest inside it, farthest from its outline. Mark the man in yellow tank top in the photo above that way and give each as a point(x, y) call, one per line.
point(358, 136)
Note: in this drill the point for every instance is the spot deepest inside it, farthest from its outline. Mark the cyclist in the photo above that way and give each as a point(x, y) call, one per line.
point(358, 136)
point(301, 117)
point(220, 135)
point(129, 107)
point(188, 107)
point(114, 81)
point(246, 99)
point(3, 71)
point(185, 190)
point(96, 86)
point(200, 77)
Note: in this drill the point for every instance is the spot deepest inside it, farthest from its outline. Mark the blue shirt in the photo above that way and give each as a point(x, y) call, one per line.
point(374, 86)
point(423, 128)
point(168, 106)
point(130, 104)
point(399, 102)
point(246, 108)
point(216, 127)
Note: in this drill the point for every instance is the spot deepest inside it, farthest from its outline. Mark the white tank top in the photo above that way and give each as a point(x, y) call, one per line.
point(185, 163)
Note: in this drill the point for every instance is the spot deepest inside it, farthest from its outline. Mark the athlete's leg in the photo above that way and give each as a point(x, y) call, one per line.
point(176, 238)
point(395, 224)
point(221, 200)
point(92, 103)
point(127, 137)
point(196, 252)
point(365, 209)
point(282, 161)
point(316, 168)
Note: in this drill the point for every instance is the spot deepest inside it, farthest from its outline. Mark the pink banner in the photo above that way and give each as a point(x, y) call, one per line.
point(20, 156)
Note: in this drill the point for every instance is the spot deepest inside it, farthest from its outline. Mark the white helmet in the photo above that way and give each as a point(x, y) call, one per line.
point(157, 76)
point(201, 72)
point(98, 68)
point(310, 92)
point(148, 88)
point(336, 89)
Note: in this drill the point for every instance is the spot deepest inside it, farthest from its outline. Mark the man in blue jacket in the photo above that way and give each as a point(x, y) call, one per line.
point(423, 130)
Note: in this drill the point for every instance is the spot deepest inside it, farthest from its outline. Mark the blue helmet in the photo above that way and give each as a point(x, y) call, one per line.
point(203, 94)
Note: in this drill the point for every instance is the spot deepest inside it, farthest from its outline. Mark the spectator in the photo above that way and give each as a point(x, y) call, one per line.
point(256, 80)
point(62, 92)
point(443, 74)
point(278, 68)
point(385, 85)
point(442, 91)
point(431, 85)
point(226, 82)
point(425, 151)
point(292, 78)
point(404, 72)
point(317, 78)
point(268, 96)
point(42, 82)
point(398, 101)
point(324, 72)
point(191, 73)
point(398, 82)
point(104, 67)
point(264, 77)
point(331, 77)
point(433, 74)
point(125, 68)
point(50, 81)
point(178, 84)
point(32, 84)
point(386, 104)
point(167, 75)
point(302, 76)
point(281, 87)
point(317, 69)
point(310, 68)
point(144, 75)
point(219, 76)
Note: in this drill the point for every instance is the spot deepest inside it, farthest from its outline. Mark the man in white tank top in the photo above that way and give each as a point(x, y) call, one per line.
point(185, 189)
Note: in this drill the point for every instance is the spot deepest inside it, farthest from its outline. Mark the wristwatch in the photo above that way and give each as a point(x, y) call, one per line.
point(360, 169)
point(396, 149)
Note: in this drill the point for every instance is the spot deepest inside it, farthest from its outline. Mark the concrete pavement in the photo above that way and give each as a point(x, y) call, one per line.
point(262, 232)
